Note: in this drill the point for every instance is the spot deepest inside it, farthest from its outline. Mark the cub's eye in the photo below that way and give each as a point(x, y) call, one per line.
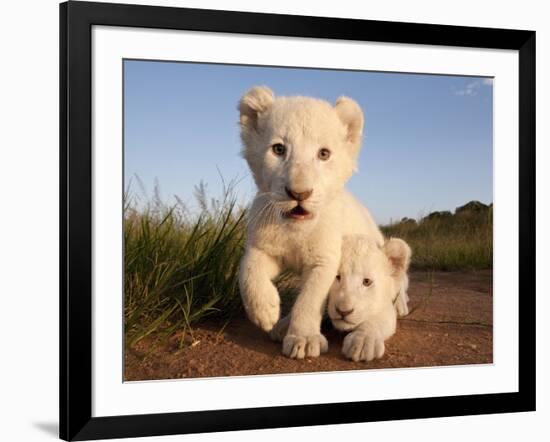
point(323, 154)
point(338, 278)
point(278, 149)
point(367, 282)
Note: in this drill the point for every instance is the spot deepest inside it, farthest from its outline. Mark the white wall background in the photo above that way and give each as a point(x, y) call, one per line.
point(29, 215)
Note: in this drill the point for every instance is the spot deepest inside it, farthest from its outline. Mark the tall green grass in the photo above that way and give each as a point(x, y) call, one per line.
point(446, 241)
point(180, 267)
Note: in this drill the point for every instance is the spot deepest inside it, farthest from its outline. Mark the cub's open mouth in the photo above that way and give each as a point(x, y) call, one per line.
point(298, 213)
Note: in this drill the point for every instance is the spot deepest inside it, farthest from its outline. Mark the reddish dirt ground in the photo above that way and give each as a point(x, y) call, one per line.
point(450, 324)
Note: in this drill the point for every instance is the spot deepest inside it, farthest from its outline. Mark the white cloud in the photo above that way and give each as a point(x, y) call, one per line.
point(472, 89)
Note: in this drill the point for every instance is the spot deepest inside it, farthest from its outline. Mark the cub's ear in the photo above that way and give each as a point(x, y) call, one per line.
point(352, 116)
point(252, 104)
point(399, 254)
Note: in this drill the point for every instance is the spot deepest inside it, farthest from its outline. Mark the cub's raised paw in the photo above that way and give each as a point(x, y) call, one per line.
point(300, 347)
point(265, 315)
point(361, 346)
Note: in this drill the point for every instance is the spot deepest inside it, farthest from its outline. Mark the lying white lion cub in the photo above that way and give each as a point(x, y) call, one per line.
point(361, 299)
point(301, 152)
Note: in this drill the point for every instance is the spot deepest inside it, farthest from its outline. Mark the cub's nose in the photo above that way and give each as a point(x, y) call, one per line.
point(298, 196)
point(344, 313)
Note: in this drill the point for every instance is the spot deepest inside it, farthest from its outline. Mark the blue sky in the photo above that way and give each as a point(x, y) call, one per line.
point(428, 138)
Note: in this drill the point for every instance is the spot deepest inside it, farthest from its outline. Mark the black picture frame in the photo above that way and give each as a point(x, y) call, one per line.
point(76, 21)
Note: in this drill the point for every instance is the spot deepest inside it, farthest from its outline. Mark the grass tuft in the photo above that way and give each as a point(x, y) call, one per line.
point(180, 268)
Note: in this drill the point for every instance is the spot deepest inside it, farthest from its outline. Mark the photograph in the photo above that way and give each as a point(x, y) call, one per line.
point(281, 220)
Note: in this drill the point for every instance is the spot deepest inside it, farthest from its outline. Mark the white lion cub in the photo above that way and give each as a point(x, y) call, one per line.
point(362, 297)
point(301, 152)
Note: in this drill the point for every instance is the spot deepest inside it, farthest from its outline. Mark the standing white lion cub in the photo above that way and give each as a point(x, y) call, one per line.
point(301, 152)
point(362, 296)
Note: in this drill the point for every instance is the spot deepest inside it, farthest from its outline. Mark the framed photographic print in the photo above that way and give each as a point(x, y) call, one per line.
point(274, 220)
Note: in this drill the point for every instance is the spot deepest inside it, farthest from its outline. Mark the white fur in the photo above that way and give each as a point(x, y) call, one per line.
point(368, 280)
point(309, 246)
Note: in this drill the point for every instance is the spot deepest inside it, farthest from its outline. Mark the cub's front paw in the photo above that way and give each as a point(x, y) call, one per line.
point(264, 314)
point(300, 347)
point(361, 346)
